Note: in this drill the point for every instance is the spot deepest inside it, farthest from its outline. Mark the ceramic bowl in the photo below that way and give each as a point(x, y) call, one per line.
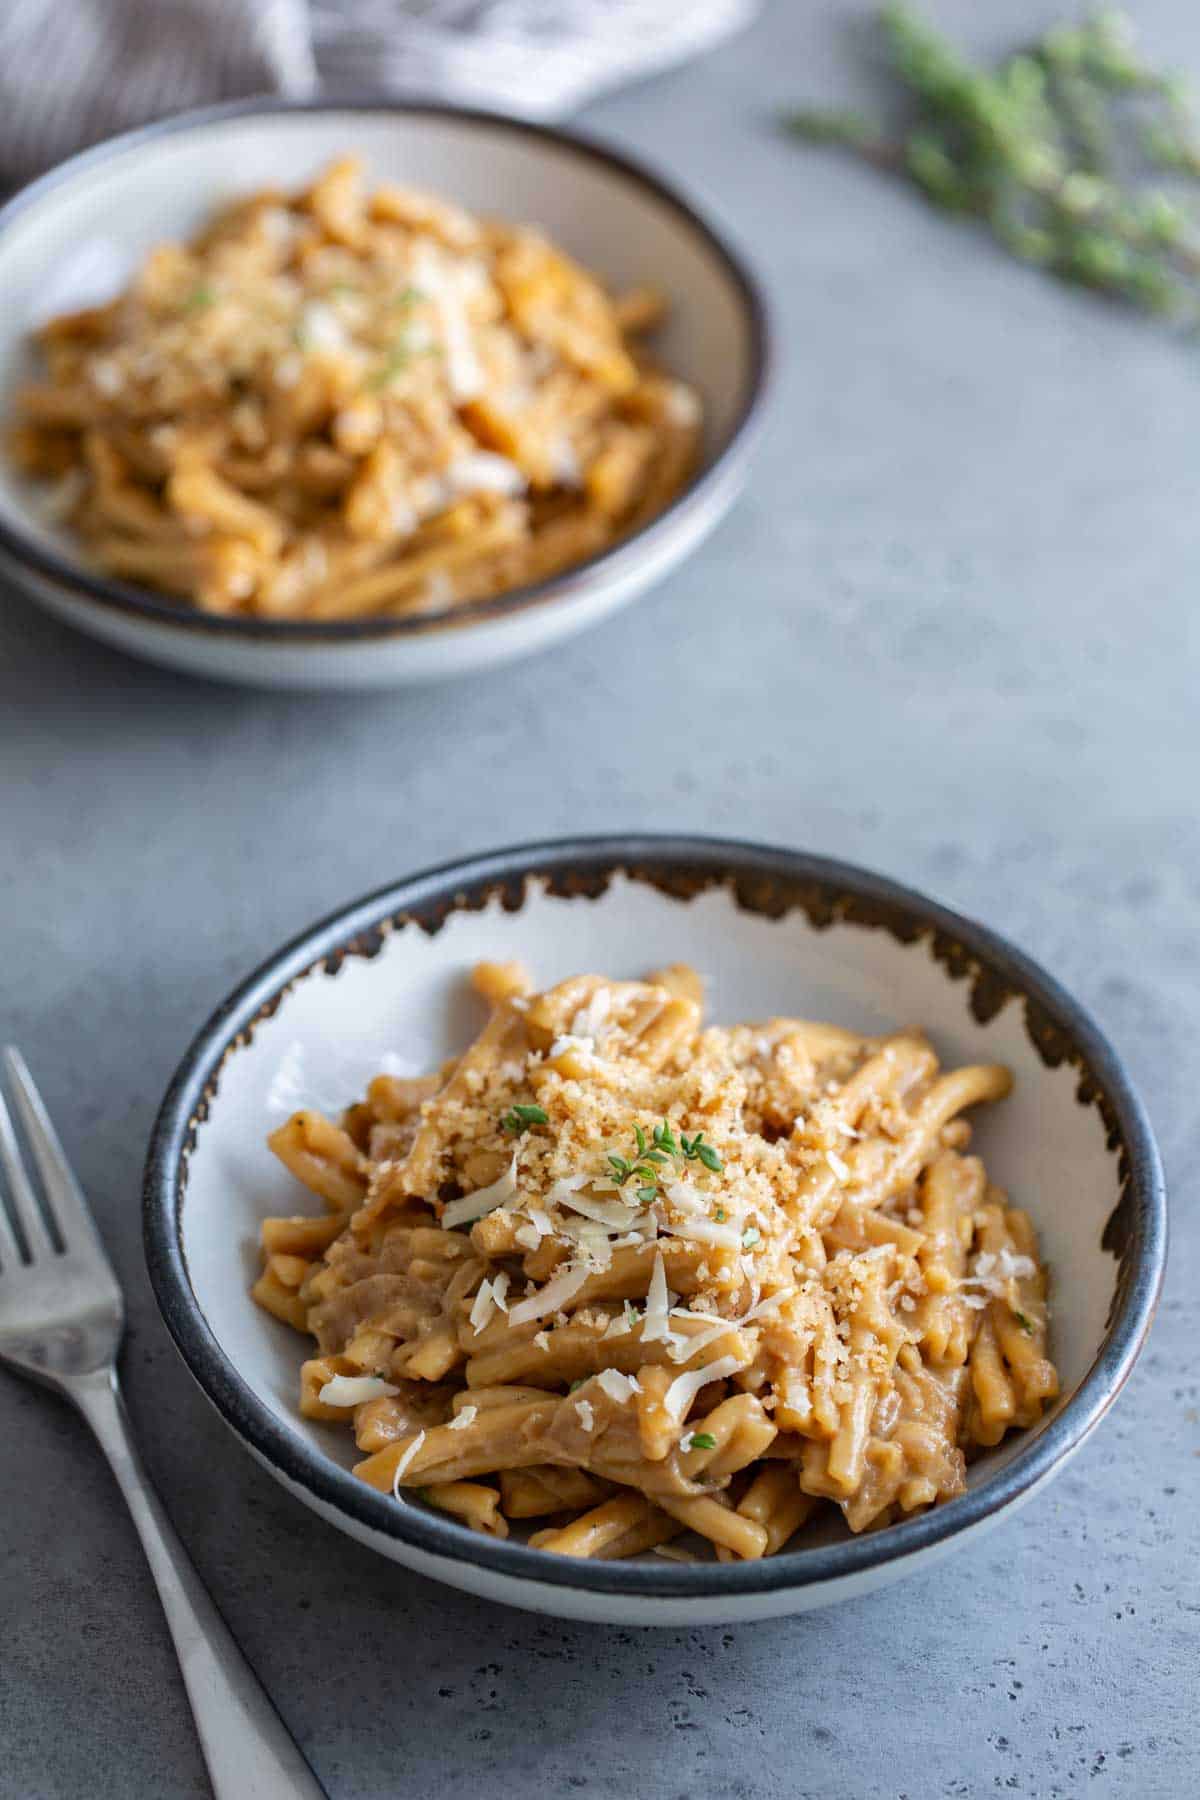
point(74, 237)
point(381, 985)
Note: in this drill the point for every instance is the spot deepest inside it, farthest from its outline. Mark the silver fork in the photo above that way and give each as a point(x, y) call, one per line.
point(61, 1321)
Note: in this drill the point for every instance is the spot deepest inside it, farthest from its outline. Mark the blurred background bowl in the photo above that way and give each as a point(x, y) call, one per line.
point(74, 238)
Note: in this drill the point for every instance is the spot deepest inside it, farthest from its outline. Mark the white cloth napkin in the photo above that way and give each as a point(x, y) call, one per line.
point(72, 73)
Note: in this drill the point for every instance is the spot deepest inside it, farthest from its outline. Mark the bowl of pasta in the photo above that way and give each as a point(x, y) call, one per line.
point(656, 1230)
point(362, 393)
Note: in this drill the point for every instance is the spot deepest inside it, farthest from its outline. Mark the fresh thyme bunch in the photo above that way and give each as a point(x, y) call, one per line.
point(1053, 150)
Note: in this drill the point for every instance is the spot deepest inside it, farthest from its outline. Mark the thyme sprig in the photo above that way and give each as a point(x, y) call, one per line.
point(1052, 150)
point(655, 1152)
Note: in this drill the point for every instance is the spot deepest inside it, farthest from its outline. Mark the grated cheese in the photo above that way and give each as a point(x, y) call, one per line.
point(463, 1418)
point(550, 1298)
point(352, 1390)
point(404, 1461)
point(542, 1340)
point(704, 1231)
point(684, 1348)
point(587, 1417)
point(485, 1304)
point(618, 1387)
point(685, 1387)
point(483, 1200)
point(656, 1322)
point(590, 1019)
point(615, 1214)
point(321, 329)
point(445, 289)
point(483, 472)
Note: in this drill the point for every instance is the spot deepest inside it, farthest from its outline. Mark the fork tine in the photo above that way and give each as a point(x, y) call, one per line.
point(22, 1199)
point(10, 1253)
point(70, 1210)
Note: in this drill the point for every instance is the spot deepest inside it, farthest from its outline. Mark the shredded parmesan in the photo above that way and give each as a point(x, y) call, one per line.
point(483, 1200)
point(685, 1387)
point(463, 1418)
point(587, 1417)
point(550, 1298)
point(618, 1387)
point(404, 1461)
point(485, 473)
point(684, 1348)
point(656, 1323)
point(590, 1019)
point(705, 1231)
point(612, 1213)
point(485, 1303)
point(352, 1390)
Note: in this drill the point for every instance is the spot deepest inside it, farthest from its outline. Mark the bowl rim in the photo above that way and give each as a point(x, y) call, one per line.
point(355, 929)
point(617, 560)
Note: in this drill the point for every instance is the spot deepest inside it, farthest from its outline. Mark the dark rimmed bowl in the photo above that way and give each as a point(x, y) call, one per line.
point(380, 985)
point(73, 237)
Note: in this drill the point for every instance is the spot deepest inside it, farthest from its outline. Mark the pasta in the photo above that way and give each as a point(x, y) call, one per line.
point(343, 403)
point(634, 1277)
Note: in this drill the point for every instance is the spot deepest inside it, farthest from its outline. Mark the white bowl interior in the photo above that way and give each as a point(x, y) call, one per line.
point(408, 1007)
point(81, 239)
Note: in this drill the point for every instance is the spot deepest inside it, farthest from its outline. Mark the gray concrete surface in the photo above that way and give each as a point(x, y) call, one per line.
point(952, 633)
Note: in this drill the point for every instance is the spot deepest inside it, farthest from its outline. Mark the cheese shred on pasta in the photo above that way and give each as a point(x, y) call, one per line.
point(343, 403)
point(736, 1276)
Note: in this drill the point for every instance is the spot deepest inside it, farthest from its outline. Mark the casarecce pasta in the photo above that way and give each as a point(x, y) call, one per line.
point(342, 403)
point(628, 1277)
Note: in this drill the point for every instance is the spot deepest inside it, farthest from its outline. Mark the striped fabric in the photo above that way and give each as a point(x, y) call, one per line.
point(74, 72)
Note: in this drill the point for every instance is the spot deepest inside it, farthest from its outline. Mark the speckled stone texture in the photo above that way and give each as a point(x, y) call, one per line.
point(952, 633)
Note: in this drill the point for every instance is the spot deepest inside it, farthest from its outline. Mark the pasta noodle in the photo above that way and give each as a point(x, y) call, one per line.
point(343, 403)
point(635, 1277)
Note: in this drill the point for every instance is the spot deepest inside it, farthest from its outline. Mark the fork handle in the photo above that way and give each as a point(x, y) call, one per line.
point(248, 1750)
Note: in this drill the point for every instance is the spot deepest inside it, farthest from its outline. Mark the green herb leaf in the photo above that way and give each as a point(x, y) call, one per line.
point(720, 1215)
point(1045, 151)
point(702, 1440)
point(1025, 1323)
point(396, 363)
point(620, 1168)
point(520, 1118)
point(201, 296)
point(640, 1135)
point(647, 1194)
point(708, 1156)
